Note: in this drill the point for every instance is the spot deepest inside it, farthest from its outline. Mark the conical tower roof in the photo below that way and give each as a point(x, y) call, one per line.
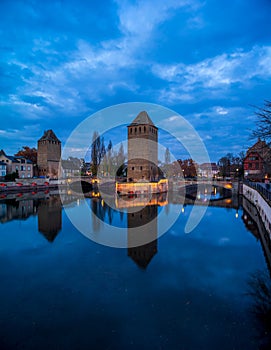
point(142, 119)
point(49, 135)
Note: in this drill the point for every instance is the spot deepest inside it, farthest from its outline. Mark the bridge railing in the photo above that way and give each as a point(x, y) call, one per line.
point(262, 188)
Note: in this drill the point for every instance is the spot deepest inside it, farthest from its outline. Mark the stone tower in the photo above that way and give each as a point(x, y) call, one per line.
point(142, 255)
point(142, 149)
point(49, 154)
point(50, 217)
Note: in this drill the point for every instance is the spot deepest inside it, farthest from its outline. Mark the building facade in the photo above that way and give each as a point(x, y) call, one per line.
point(208, 170)
point(49, 155)
point(3, 170)
point(142, 149)
point(17, 164)
point(257, 163)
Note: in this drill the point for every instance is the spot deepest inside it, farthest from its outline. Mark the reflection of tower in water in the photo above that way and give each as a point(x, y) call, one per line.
point(142, 255)
point(50, 217)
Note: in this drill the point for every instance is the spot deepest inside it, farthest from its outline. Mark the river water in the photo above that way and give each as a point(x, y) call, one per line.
point(61, 290)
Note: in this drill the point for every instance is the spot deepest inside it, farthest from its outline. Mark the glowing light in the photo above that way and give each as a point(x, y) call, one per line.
point(229, 186)
point(236, 215)
point(182, 209)
point(142, 187)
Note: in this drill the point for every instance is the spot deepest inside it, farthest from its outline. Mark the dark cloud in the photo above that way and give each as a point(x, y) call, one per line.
point(65, 60)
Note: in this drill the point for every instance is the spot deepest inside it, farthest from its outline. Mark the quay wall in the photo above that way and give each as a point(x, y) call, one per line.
point(263, 207)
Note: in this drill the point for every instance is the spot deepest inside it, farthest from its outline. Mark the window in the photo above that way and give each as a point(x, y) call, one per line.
point(141, 168)
point(131, 130)
point(140, 129)
point(144, 128)
point(133, 168)
point(135, 130)
point(253, 158)
point(22, 168)
point(256, 165)
point(16, 167)
point(28, 175)
point(249, 165)
point(28, 168)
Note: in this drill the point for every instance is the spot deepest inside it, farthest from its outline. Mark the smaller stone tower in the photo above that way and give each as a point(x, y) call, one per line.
point(142, 149)
point(49, 154)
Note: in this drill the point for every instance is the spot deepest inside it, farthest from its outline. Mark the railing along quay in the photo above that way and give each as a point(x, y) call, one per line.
point(262, 188)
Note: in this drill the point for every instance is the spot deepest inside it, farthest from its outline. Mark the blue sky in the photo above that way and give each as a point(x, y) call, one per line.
point(64, 60)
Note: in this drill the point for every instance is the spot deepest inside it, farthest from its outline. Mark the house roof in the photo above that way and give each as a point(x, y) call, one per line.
point(250, 153)
point(69, 165)
point(12, 158)
point(49, 135)
point(28, 161)
point(261, 147)
point(142, 119)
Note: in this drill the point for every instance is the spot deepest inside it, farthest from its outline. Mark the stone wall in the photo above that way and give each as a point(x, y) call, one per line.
point(262, 206)
point(142, 153)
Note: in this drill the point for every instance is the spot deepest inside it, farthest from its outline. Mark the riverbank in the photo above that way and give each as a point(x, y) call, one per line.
point(261, 203)
point(30, 185)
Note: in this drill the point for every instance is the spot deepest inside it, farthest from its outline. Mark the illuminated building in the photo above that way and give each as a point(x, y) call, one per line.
point(143, 174)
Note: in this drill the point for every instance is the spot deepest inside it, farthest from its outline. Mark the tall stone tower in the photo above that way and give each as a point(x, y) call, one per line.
point(142, 255)
point(142, 149)
point(49, 154)
point(50, 217)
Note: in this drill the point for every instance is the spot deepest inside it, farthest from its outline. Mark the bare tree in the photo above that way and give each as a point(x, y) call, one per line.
point(97, 151)
point(263, 123)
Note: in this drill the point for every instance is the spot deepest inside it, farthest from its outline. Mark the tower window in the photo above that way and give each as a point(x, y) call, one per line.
point(131, 130)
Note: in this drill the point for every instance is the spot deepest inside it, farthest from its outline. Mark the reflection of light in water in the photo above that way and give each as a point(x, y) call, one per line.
point(215, 190)
point(78, 201)
point(236, 214)
point(102, 202)
point(141, 201)
point(182, 209)
point(95, 194)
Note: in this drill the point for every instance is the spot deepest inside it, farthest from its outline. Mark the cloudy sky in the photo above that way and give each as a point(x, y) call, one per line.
point(61, 61)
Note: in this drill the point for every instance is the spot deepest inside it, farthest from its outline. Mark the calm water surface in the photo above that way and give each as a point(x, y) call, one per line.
point(60, 290)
